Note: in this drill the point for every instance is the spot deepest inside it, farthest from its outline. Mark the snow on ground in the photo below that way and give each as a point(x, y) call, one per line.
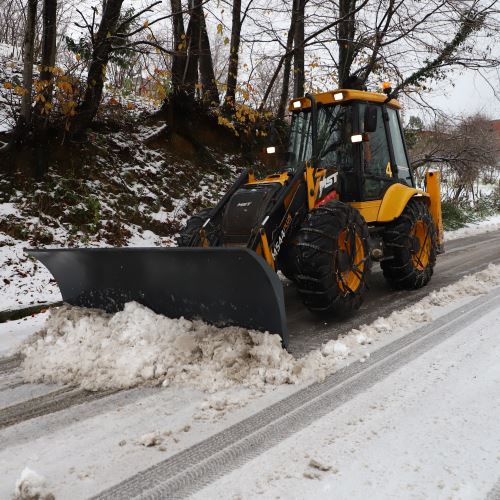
point(10, 71)
point(485, 226)
point(137, 428)
point(429, 430)
point(13, 333)
point(68, 447)
point(136, 346)
point(24, 281)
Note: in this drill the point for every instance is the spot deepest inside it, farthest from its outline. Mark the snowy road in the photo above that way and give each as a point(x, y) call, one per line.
point(463, 256)
point(416, 419)
point(421, 421)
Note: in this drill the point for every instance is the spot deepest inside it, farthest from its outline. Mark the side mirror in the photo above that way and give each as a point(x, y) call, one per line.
point(371, 114)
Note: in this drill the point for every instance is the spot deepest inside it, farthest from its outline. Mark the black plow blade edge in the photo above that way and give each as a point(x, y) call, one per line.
point(221, 286)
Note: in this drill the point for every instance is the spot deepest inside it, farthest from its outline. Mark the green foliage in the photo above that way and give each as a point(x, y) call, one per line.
point(496, 198)
point(412, 131)
point(86, 215)
point(485, 207)
point(455, 216)
point(121, 57)
point(82, 48)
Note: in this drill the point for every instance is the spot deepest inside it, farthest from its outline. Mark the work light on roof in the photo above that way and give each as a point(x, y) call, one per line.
point(338, 96)
point(297, 104)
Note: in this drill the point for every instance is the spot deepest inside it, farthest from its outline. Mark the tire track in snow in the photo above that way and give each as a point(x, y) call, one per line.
point(52, 402)
point(10, 363)
point(190, 470)
point(494, 493)
point(10, 380)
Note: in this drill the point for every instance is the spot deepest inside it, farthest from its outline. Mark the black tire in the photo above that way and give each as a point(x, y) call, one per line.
point(411, 239)
point(189, 235)
point(333, 259)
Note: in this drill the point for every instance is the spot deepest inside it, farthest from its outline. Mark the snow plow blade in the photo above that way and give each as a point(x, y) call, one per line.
point(221, 286)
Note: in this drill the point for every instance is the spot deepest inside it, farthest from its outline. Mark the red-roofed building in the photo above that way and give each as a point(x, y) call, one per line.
point(495, 126)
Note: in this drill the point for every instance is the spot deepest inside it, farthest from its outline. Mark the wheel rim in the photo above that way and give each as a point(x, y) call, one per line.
point(421, 254)
point(352, 250)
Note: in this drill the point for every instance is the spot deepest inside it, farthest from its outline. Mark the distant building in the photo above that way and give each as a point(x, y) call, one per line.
point(495, 127)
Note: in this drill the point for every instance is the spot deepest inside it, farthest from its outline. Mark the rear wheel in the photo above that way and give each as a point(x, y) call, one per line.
point(189, 235)
point(412, 241)
point(333, 259)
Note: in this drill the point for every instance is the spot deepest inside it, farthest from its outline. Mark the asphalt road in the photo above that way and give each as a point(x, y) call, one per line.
point(464, 256)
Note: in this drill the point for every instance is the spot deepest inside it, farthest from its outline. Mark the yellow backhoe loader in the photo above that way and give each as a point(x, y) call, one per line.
point(346, 198)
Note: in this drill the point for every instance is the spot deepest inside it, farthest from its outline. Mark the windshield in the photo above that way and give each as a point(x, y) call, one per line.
point(334, 132)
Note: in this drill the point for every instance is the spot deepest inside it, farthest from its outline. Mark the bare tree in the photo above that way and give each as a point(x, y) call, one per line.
point(298, 45)
point(190, 77)
point(102, 43)
point(48, 61)
point(234, 49)
point(28, 49)
point(180, 46)
point(287, 65)
point(208, 81)
point(463, 151)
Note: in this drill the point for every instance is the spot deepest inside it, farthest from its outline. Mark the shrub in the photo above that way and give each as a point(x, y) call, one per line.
point(455, 216)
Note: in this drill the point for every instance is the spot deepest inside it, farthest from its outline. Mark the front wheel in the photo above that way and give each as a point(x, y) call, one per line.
point(411, 238)
point(333, 259)
point(189, 235)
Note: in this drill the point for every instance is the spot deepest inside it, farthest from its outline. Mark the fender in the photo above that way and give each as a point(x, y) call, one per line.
point(395, 200)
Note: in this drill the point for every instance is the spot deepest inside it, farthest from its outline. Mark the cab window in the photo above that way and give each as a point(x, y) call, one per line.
point(375, 159)
point(399, 149)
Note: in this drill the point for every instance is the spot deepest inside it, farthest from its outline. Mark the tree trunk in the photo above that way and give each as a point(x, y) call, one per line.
point(207, 73)
point(346, 32)
point(298, 58)
point(193, 37)
point(48, 62)
point(234, 49)
point(180, 52)
point(87, 110)
point(43, 106)
point(287, 66)
point(28, 49)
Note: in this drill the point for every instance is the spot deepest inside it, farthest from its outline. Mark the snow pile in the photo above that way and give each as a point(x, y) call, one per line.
point(150, 439)
point(136, 346)
point(32, 486)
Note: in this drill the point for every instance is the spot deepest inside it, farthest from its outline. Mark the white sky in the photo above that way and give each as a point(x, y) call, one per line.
point(470, 94)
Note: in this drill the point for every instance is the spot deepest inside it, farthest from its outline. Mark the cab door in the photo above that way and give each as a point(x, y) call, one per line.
point(376, 167)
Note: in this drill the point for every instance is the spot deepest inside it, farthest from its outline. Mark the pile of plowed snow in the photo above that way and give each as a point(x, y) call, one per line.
point(136, 346)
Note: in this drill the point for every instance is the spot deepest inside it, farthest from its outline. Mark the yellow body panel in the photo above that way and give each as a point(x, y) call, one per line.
point(348, 95)
point(282, 177)
point(313, 178)
point(368, 209)
point(264, 245)
point(432, 182)
point(395, 200)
